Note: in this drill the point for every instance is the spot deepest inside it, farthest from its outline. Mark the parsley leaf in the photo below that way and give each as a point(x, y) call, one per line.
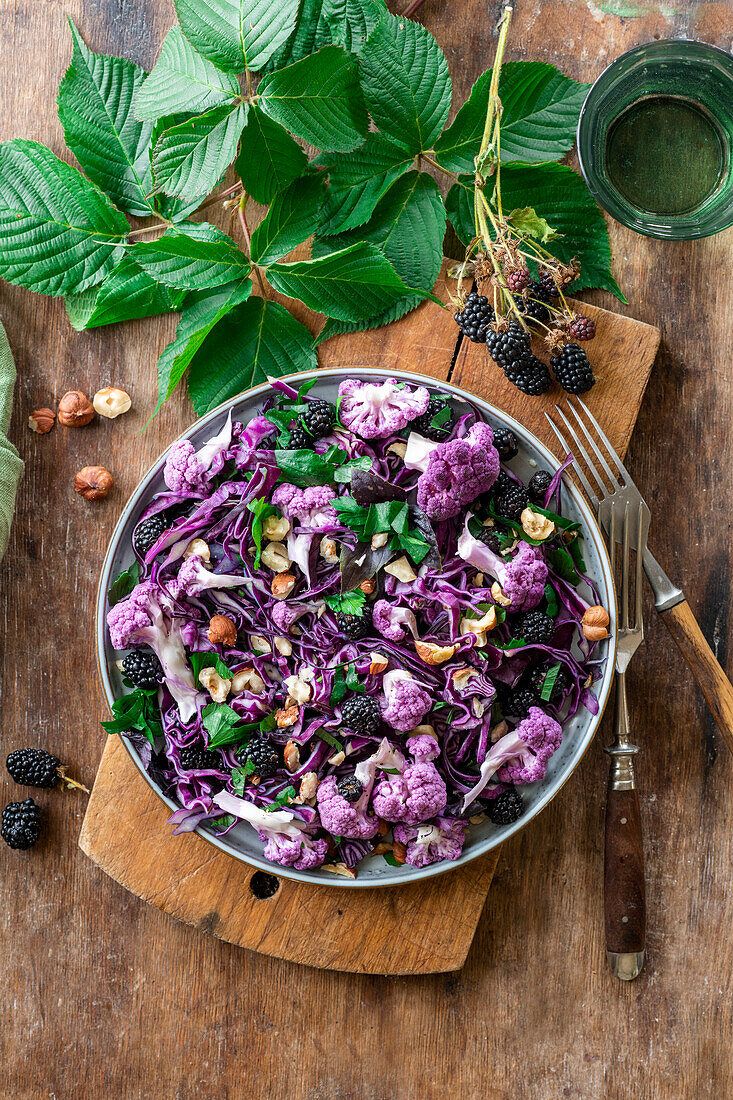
point(123, 584)
point(281, 800)
point(549, 682)
point(349, 603)
point(137, 711)
point(198, 661)
point(223, 725)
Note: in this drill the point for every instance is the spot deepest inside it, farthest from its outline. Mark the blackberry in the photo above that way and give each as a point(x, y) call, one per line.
point(475, 317)
point(572, 369)
point(512, 501)
point(517, 280)
point(506, 443)
point(489, 536)
point(33, 767)
point(536, 681)
point(506, 808)
point(142, 669)
point(422, 423)
point(538, 485)
point(534, 627)
point(355, 626)
point(350, 788)
point(361, 714)
point(532, 307)
point(319, 418)
point(582, 328)
point(21, 824)
point(509, 346)
point(547, 285)
point(503, 482)
point(265, 757)
point(299, 439)
point(147, 533)
point(519, 702)
point(195, 758)
point(530, 375)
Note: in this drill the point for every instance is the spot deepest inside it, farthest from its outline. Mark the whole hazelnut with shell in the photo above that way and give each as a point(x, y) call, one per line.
point(93, 482)
point(41, 421)
point(75, 410)
point(222, 631)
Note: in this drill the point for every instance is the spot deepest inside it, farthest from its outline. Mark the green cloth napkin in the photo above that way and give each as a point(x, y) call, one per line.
point(11, 466)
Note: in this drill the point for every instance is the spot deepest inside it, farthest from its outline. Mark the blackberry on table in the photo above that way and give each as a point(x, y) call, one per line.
point(512, 501)
point(475, 317)
point(530, 375)
point(195, 758)
point(519, 702)
point(506, 443)
point(263, 755)
point(319, 418)
point(538, 485)
point(299, 439)
point(572, 369)
point(350, 788)
point(423, 426)
point(534, 627)
point(490, 537)
point(355, 626)
point(20, 826)
point(143, 669)
point(582, 328)
point(361, 714)
point(147, 533)
point(509, 346)
point(33, 768)
point(506, 808)
point(536, 682)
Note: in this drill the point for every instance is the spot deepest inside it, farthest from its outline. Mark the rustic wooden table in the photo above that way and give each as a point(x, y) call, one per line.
point(101, 995)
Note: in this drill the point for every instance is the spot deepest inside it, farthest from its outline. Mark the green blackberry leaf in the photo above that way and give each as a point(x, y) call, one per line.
point(318, 99)
point(351, 21)
point(95, 109)
point(540, 109)
point(310, 33)
point(59, 234)
point(201, 313)
point(189, 159)
point(126, 294)
point(237, 34)
point(357, 181)
point(255, 341)
point(269, 158)
point(183, 80)
point(291, 219)
point(192, 257)
point(406, 83)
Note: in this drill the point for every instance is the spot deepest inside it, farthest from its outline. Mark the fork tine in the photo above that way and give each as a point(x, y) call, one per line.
point(602, 490)
point(625, 572)
point(604, 439)
point(638, 614)
point(576, 468)
point(599, 454)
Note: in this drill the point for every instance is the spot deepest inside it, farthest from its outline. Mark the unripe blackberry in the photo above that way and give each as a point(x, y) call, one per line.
point(582, 328)
point(517, 280)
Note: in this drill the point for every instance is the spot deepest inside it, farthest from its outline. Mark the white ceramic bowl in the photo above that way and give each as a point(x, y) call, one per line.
point(242, 841)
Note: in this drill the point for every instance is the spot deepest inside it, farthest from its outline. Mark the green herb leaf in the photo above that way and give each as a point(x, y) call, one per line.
point(339, 686)
point(223, 725)
point(304, 468)
point(237, 34)
point(192, 257)
point(357, 181)
point(292, 218)
point(95, 109)
point(318, 99)
point(551, 600)
point(406, 83)
point(199, 661)
point(261, 509)
point(349, 603)
point(127, 293)
point(254, 342)
point(58, 233)
point(139, 712)
point(123, 584)
point(269, 158)
point(352, 680)
point(577, 555)
point(241, 775)
point(562, 562)
point(190, 158)
point(282, 799)
point(549, 682)
point(559, 521)
point(526, 220)
point(390, 859)
point(183, 80)
point(221, 823)
point(330, 739)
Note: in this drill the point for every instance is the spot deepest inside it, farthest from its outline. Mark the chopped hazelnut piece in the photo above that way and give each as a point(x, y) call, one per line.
point(291, 756)
point(41, 421)
point(276, 528)
point(217, 687)
point(402, 570)
point(197, 548)
point(282, 585)
point(536, 525)
point(433, 654)
point(275, 557)
point(286, 716)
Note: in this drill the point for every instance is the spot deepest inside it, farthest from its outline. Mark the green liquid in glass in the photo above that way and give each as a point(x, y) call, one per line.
point(666, 155)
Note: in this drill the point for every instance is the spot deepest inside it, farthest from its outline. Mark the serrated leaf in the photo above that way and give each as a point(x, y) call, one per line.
point(526, 220)
point(168, 206)
point(201, 313)
point(357, 181)
point(256, 341)
point(183, 80)
point(319, 99)
point(540, 116)
point(269, 158)
point(125, 295)
point(192, 257)
point(350, 22)
point(237, 34)
point(95, 109)
point(189, 159)
point(400, 309)
point(292, 218)
point(58, 232)
point(350, 285)
point(406, 83)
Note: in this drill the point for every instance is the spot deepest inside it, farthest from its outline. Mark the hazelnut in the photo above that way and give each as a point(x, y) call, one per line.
point(368, 586)
point(401, 569)
point(222, 631)
point(498, 731)
point(286, 716)
point(378, 663)
point(379, 540)
point(462, 677)
point(595, 621)
point(339, 869)
point(259, 644)
point(476, 819)
point(217, 687)
point(328, 550)
point(111, 402)
point(291, 756)
point(41, 421)
point(75, 410)
point(284, 646)
point(276, 528)
point(423, 730)
point(479, 627)
point(399, 851)
point(337, 758)
point(308, 787)
point(399, 448)
point(197, 548)
point(477, 581)
point(282, 585)
point(275, 557)
point(382, 848)
point(248, 679)
point(433, 654)
point(93, 482)
point(299, 690)
point(536, 525)
point(498, 594)
point(383, 827)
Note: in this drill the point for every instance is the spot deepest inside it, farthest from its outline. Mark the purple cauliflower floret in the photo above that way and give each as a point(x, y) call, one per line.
point(457, 472)
point(406, 703)
point(522, 577)
point(145, 618)
point(433, 841)
point(423, 747)
point(393, 621)
point(374, 411)
point(187, 470)
point(194, 578)
point(304, 854)
point(284, 614)
point(415, 795)
point(311, 507)
point(286, 841)
point(522, 755)
point(342, 818)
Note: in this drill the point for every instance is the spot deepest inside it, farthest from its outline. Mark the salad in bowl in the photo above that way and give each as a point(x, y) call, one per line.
point(350, 633)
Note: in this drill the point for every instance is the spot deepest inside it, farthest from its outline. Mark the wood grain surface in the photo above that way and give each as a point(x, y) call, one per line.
point(103, 996)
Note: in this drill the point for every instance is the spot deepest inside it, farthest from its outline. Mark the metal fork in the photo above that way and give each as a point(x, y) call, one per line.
point(668, 599)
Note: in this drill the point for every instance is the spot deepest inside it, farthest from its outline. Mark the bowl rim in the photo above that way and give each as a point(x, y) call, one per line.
point(413, 875)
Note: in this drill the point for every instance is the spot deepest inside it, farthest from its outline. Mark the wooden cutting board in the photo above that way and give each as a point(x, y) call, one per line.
point(417, 929)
